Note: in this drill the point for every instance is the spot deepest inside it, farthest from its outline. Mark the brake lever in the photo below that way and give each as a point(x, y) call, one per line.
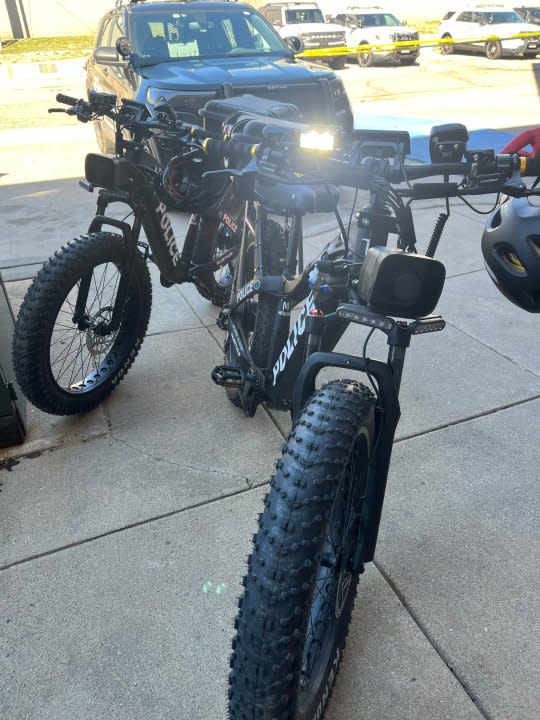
point(226, 172)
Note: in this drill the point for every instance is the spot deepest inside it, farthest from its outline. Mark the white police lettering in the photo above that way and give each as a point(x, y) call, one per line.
point(168, 233)
point(244, 292)
point(297, 332)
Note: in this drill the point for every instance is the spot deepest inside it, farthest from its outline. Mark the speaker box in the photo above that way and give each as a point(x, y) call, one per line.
point(400, 284)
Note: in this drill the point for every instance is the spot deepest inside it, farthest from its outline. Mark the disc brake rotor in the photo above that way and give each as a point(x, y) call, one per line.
point(99, 344)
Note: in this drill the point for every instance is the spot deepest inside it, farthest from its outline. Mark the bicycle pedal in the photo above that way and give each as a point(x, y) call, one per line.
point(228, 376)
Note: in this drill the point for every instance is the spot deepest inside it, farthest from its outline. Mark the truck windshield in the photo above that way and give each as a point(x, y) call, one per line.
point(492, 18)
point(313, 15)
point(163, 37)
point(377, 20)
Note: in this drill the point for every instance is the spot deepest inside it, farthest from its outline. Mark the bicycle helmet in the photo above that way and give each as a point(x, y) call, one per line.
point(511, 250)
point(183, 184)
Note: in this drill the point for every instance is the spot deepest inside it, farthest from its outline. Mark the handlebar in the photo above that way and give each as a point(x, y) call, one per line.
point(278, 158)
point(67, 100)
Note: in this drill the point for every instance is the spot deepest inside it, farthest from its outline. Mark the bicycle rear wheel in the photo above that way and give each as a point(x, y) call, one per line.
point(257, 316)
point(301, 583)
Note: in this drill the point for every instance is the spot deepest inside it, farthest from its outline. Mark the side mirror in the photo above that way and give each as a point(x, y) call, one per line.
point(123, 47)
point(107, 56)
point(295, 44)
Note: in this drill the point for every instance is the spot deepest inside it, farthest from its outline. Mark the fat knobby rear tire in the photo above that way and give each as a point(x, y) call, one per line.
point(301, 583)
point(258, 324)
point(65, 367)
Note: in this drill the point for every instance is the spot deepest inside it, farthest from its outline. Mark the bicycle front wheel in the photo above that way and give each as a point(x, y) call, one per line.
point(301, 582)
point(67, 365)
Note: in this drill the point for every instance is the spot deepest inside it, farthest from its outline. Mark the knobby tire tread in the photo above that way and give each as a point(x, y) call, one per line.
point(283, 565)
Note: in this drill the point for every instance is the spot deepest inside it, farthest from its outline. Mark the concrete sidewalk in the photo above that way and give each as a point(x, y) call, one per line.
point(125, 532)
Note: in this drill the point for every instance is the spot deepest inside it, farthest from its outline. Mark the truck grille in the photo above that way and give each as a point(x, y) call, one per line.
point(323, 39)
point(403, 37)
point(311, 99)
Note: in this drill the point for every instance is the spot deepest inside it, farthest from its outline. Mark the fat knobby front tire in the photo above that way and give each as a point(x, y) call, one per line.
point(301, 583)
point(66, 367)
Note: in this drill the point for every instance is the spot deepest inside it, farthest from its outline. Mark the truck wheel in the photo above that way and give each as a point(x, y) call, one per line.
point(447, 48)
point(365, 59)
point(494, 50)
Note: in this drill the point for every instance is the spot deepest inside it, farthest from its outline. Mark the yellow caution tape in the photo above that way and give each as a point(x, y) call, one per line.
point(434, 42)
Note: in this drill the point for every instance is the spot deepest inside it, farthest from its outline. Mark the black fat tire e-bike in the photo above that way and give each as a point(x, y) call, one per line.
point(321, 515)
point(85, 314)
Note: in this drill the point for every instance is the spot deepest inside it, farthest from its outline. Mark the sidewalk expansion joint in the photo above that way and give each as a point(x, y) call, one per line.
point(490, 347)
point(179, 465)
point(434, 644)
point(467, 419)
point(131, 526)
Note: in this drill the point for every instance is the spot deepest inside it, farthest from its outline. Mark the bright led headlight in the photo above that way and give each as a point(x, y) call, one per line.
point(322, 140)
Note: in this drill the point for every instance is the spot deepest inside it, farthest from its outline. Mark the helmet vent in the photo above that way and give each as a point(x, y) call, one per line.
point(535, 243)
point(496, 218)
point(511, 259)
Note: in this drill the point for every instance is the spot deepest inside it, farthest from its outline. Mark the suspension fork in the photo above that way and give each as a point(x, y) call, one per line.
point(130, 235)
point(387, 376)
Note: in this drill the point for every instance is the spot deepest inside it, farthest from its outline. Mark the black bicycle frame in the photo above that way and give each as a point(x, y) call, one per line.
point(309, 349)
point(150, 213)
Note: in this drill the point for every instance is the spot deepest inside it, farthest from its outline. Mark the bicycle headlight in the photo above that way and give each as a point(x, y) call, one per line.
point(321, 140)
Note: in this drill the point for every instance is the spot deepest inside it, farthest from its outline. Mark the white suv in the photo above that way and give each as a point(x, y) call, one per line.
point(373, 26)
point(304, 23)
point(480, 21)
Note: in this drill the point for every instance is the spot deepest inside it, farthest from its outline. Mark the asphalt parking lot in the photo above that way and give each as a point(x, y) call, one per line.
point(119, 527)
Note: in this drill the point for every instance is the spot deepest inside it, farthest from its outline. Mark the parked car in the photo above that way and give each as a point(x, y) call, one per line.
point(529, 13)
point(372, 26)
point(189, 53)
point(305, 21)
point(469, 24)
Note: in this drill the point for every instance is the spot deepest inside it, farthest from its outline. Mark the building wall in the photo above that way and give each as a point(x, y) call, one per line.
point(48, 18)
point(5, 29)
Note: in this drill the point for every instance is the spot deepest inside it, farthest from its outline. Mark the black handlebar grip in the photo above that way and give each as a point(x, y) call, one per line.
point(529, 167)
point(218, 149)
point(66, 99)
